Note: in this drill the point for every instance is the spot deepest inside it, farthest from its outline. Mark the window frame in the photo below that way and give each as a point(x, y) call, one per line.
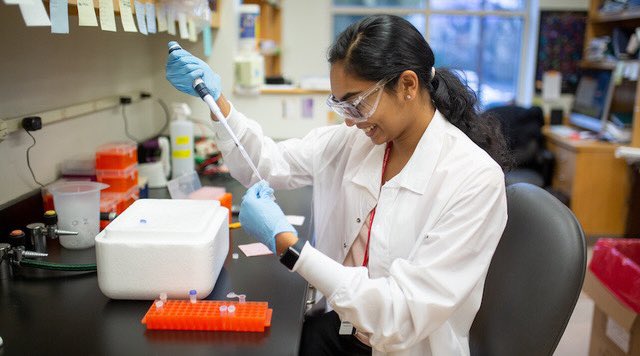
point(529, 15)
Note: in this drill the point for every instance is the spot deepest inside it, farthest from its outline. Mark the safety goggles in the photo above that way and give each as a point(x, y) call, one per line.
point(362, 106)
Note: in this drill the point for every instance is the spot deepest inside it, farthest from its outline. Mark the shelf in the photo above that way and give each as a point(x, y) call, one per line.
point(628, 15)
point(585, 64)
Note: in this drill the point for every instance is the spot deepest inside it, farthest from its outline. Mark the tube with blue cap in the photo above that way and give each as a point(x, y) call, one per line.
point(203, 92)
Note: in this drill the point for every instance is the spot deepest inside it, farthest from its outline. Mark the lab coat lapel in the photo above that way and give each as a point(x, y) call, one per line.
point(416, 174)
point(369, 172)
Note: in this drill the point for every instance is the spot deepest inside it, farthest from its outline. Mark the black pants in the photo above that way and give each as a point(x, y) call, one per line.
point(320, 337)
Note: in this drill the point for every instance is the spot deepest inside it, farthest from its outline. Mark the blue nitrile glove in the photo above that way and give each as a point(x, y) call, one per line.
point(261, 217)
point(183, 68)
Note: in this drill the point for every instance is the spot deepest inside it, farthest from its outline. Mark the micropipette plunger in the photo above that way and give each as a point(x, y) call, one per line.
point(204, 94)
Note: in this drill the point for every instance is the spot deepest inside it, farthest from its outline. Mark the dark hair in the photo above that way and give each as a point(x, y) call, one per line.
point(384, 46)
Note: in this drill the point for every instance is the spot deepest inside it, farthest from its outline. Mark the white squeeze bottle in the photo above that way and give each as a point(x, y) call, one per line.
point(181, 132)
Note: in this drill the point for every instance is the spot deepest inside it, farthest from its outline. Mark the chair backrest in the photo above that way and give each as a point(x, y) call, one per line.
point(534, 278)
point(522, 127)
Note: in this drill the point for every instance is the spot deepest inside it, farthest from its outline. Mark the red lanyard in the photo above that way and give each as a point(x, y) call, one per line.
point(365, 262)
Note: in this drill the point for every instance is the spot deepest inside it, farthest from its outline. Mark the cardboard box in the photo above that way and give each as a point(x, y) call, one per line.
point(616, 327)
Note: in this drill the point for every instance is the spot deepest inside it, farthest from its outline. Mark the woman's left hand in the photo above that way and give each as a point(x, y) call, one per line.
point(261, 217)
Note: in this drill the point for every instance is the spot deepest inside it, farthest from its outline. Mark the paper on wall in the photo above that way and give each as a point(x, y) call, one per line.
point(171, 22)
point(34, 13)
point(151, 17)
point(182, 25)
point(86, 13)
point(161, 14)
point(551, 85)
point(59, 10)
point(206, 40)
point(193, 33)
point(141, 17)
point(126, 16)
point(107, 17)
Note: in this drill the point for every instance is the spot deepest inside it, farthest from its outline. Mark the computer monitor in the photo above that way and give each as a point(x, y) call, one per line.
point(593, 99)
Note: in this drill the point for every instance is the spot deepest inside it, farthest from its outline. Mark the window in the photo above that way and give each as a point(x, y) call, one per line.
point(484, 41)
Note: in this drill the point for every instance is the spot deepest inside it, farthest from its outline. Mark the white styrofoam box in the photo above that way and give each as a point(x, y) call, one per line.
point(163, 245)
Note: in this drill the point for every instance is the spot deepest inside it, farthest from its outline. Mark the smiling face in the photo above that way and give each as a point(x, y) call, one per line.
point(387, 121)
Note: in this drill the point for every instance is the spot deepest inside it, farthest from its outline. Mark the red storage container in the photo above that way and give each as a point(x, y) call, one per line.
point(117, 155)
point(124, 199)
point(119, 180)
point(616, 263)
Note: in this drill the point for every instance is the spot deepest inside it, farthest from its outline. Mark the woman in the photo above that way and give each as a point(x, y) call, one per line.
point(409, 208)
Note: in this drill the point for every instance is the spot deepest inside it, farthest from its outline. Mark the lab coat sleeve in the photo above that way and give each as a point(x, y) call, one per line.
point(285, 165)
point(421, 292)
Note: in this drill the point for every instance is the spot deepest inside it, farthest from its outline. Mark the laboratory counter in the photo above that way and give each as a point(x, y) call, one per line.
point(64, 313)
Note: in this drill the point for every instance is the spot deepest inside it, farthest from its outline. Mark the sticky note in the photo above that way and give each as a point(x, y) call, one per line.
point(161, 14)
point(255, 249)
point(34, 13)
point(295, 219)
point(182, 25)
point(15, 2)
point(206, 40)
point(126, 16)
point(171, 22)
point(107, 18)
point(193, 33)
point(141, 17)
point(86, 13)
point(59, 10)
point(151, 17)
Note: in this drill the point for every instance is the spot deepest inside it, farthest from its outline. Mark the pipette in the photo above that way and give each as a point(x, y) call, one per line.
point(203, 91)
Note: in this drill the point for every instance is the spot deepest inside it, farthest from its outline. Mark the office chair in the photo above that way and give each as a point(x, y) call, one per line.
point(522, 127)
point(534, 278)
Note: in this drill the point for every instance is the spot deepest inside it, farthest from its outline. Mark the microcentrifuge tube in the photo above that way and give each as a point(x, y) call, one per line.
point(235, 256)
point(223, 309)
point(159, 304)
point(231, 309)
point(192, 296)
point(163, 297)
point(241, 297)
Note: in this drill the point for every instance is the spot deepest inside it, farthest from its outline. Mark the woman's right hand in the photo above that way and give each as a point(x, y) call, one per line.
point(183, 68)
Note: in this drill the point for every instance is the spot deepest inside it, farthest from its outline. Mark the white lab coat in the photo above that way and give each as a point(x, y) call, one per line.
point(436, 227)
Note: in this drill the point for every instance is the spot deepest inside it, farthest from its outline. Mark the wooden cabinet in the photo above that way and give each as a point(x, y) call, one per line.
point(270, 29)
point(596, 183)
point(602, 24)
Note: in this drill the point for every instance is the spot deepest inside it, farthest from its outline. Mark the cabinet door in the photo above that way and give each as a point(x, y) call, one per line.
point(564, 170)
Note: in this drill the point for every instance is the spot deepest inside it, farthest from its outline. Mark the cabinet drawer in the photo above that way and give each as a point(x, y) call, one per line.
point(565, 168)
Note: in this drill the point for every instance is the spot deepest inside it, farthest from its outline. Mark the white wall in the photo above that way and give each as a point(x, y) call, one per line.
point(41, 71)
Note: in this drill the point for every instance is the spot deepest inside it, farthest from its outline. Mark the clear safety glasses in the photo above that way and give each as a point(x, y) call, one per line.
point(362, 106)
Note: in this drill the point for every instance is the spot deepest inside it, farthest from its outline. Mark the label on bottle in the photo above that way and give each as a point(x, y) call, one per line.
point(181, 154)
point(182, 140)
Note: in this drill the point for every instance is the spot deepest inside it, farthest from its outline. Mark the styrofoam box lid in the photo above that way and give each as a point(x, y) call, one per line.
point(166, 221)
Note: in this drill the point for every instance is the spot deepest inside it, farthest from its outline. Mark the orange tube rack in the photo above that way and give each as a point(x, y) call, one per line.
point(206, 315)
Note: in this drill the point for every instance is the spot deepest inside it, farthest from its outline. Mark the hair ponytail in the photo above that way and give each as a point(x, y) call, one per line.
point(458, 103)
point(383, 46)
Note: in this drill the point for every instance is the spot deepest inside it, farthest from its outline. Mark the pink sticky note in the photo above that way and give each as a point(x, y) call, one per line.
point(255, 249)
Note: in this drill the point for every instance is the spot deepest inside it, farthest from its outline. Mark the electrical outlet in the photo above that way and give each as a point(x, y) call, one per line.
point(4, 131)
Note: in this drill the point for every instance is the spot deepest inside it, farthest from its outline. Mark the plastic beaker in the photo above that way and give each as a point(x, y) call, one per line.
point(78, 208)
